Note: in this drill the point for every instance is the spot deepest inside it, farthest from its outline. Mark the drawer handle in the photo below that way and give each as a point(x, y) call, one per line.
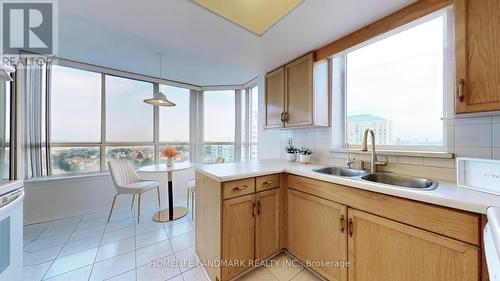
point(350, 226)
point(460, 89)
point(268, 182)
point(342, 223)
point(240, 188)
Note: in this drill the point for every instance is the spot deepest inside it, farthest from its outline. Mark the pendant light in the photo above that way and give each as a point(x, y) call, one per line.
point(159, 98)
point(5, 71)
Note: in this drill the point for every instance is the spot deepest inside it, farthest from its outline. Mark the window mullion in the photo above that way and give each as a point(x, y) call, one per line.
point(237, 123)
point(48, 79)
point(102, 146)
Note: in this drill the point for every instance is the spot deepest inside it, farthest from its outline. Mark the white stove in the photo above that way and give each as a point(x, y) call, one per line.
point(11, 230)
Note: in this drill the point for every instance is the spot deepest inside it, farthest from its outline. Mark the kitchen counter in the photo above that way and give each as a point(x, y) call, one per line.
point(447, 194)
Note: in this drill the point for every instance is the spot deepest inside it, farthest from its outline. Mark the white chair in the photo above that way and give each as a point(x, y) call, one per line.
point(191, 185)
point(127, 181)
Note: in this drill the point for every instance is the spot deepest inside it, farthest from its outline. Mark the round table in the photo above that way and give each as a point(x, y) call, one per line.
point(171, 213)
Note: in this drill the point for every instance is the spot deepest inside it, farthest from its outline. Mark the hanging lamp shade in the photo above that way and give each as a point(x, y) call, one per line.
point(159, 99)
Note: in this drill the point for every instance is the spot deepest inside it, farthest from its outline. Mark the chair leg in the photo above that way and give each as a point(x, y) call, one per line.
point(192, 205)
point(133, 197)
point(112, 206)
point(159, 201)
point(139, 208)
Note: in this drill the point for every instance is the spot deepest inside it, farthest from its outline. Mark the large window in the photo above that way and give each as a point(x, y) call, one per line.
point(75, 105)
point(395, 86)
point(219, 125)
point(128, 118)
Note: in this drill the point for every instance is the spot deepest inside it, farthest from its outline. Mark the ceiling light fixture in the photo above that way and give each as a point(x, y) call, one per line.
point(159, 98)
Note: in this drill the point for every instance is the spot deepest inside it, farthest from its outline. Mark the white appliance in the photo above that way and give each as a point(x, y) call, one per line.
point(11, 231)
point(484, 175)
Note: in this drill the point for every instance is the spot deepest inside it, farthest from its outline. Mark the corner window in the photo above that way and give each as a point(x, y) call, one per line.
point(395, 85)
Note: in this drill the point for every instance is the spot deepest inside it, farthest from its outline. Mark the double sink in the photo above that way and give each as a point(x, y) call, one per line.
point(383, 178)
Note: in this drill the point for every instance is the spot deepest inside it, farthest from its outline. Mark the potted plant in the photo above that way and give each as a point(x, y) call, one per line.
point(170, 153)
point(305, 155)
point(291, 153)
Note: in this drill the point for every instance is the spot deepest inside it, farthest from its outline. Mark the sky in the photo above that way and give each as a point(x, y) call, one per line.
point(400, 78)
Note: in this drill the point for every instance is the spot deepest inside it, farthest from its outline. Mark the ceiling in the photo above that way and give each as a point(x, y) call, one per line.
point(198, 46)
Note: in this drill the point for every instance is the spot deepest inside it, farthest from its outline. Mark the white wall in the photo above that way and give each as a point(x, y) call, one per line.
point(57, 198)
point(269, 139)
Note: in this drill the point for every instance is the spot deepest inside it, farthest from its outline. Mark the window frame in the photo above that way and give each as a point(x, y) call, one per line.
point(103, 143)
point(339, 89)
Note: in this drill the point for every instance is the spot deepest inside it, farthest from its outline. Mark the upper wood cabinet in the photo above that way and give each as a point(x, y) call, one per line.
point(275, 98)
point(298, 95)
point(477, 39)
point(381, 249)
point(317, 232)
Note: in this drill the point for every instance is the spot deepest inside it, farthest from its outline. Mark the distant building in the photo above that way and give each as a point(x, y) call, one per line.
point(214, 151)
point(356, 125)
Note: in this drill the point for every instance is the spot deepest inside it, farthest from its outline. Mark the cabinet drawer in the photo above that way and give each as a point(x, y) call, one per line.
point(267, 182)
point(238, 188)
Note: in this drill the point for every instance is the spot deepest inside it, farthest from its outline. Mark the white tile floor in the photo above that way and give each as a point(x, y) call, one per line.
point(87, 248)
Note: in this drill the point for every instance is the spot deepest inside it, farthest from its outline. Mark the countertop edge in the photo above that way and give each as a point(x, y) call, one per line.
point(448, 194)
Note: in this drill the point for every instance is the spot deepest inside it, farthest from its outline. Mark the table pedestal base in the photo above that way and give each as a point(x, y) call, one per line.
point(162, 215)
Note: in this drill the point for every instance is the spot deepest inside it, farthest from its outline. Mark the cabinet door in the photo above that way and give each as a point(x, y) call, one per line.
point(238, 226)
point(275, 98)
point(299, 92)
point(477, 55)
point(381, 249)
point(267, 230)
point(317, 232)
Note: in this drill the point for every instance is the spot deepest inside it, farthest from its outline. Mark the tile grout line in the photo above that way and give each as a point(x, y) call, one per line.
point(54, 260)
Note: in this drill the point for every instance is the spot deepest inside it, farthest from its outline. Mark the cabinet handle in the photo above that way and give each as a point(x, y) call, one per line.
point(350, 226)
point(258, 207)
point(253, 209)
point(282, 116)
point(342, 223)
point(268, 182)
point(239, 188)
point(285, 116)
point(460, 90)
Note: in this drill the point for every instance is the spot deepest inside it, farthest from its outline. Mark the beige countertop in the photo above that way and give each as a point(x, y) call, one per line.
point(447, 194)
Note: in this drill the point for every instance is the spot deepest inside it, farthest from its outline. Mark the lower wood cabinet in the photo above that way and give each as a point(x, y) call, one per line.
point(238, 242)
point(267, 231)
point(317, 233)
point(250, 230)
point(381, 249)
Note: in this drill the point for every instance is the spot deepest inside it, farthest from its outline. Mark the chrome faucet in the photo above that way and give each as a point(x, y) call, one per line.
point(374, 163)
point(349, 161)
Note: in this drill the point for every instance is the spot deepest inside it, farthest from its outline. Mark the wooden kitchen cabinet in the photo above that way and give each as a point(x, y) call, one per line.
point(381, 249)
point(267, 222)
point(317, 232)
point(238, 243)
point(275, 98)
point(297, 94)
point(477, 38)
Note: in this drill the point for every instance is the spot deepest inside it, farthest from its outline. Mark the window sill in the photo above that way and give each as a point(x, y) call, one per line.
point(74, 177)
point(425, 154)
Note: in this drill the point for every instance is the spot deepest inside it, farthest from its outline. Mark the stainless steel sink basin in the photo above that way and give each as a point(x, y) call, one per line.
point(401, 181)
point(337, 171)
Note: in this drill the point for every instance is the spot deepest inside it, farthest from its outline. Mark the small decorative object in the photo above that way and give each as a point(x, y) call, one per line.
point(291, 153)
point(305, 155)
point(170, 153)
